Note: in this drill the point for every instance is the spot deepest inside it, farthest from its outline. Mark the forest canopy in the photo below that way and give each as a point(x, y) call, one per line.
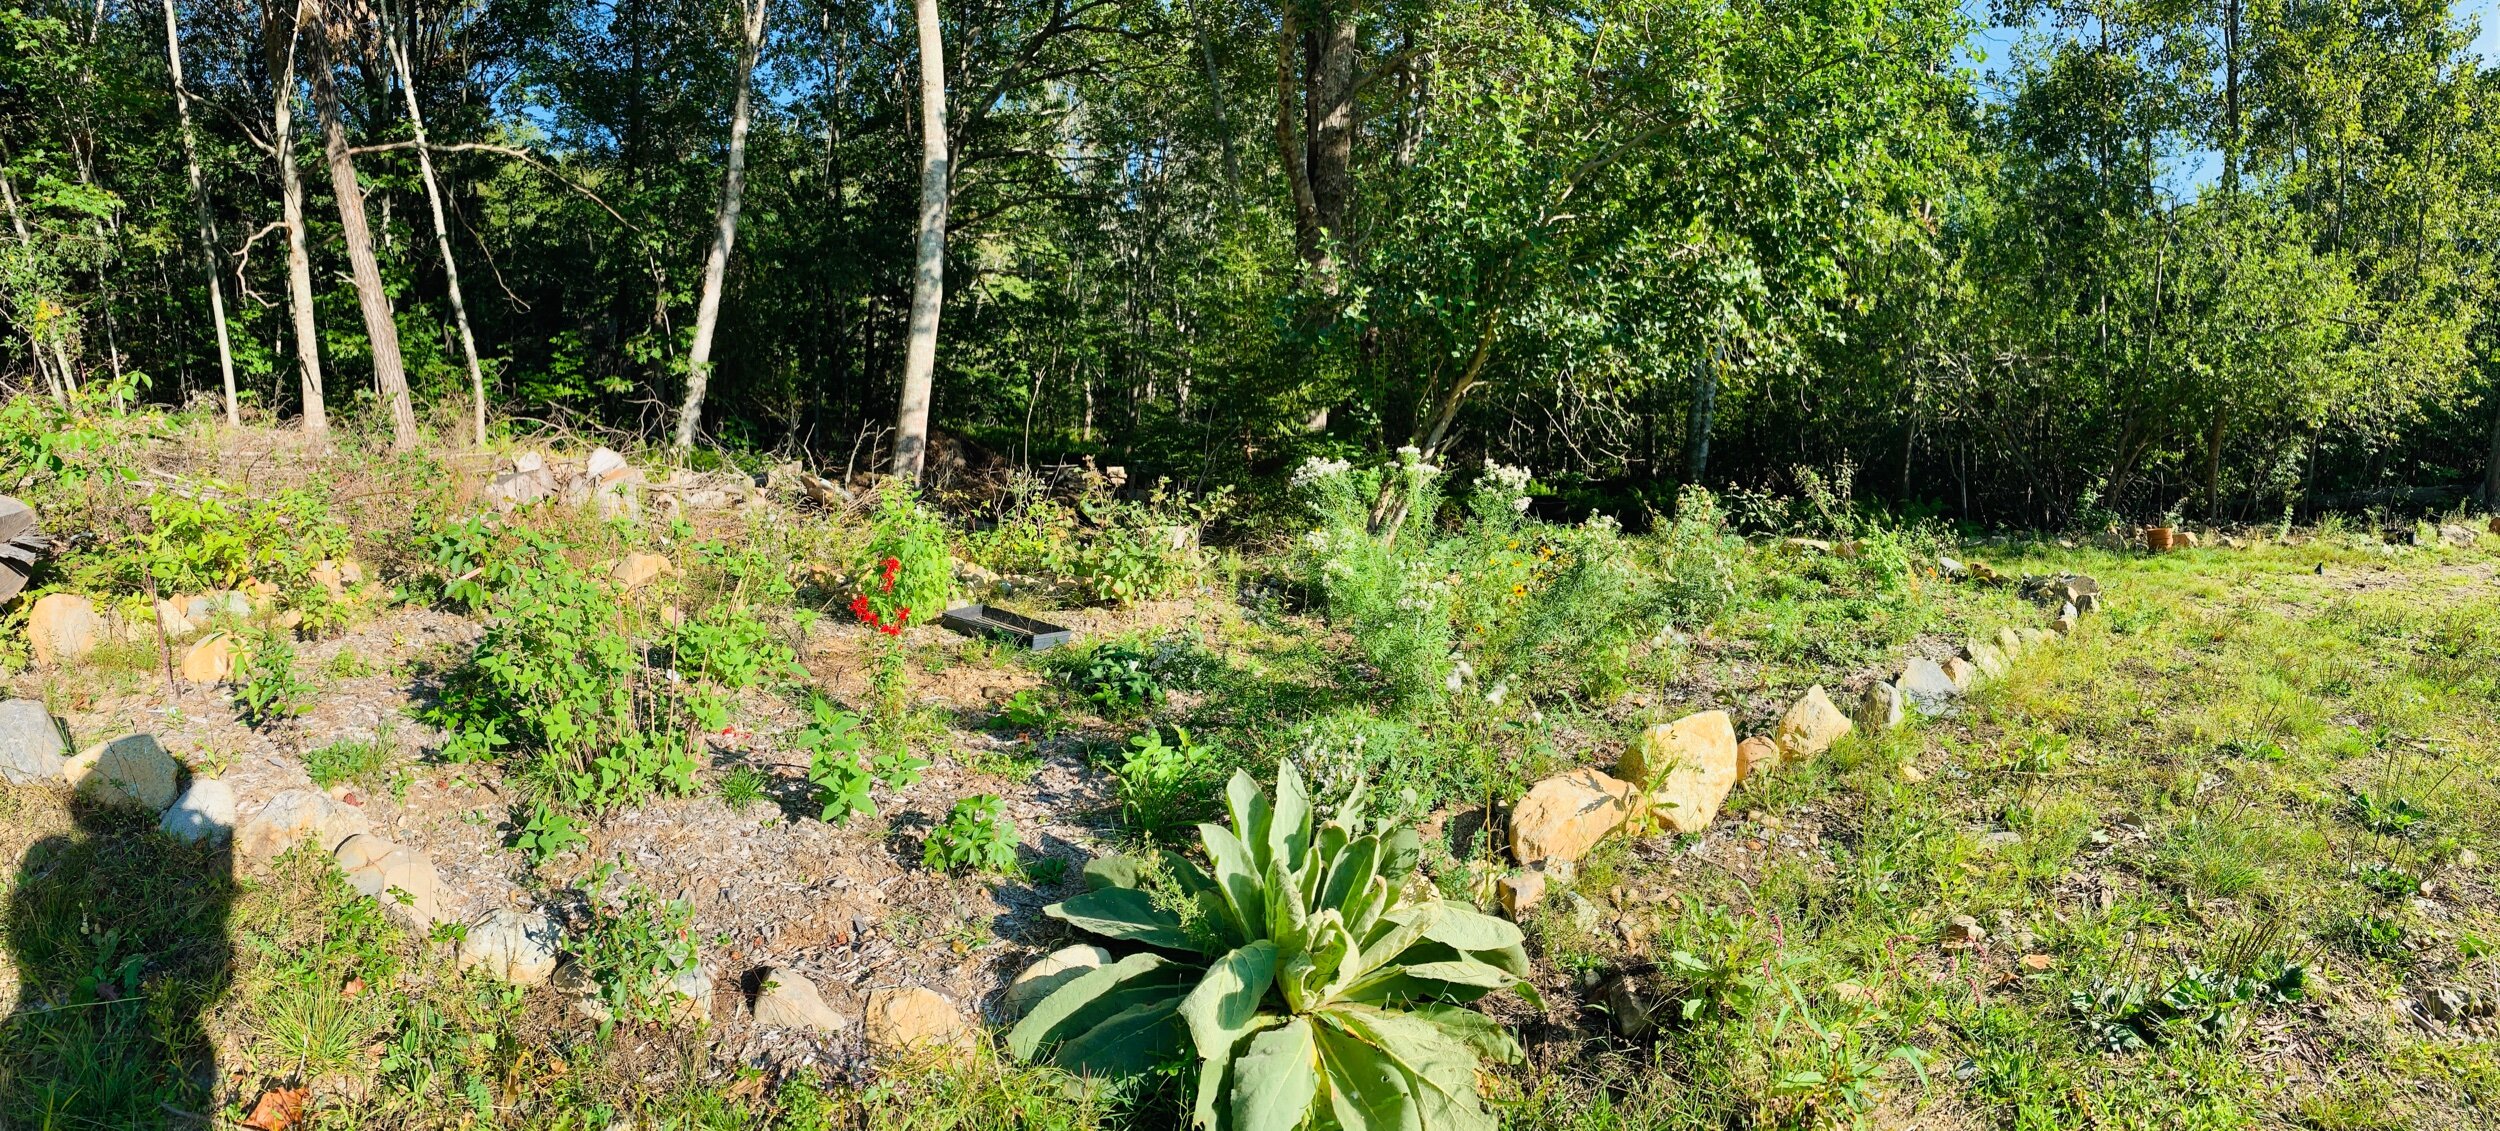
point(2216, 259)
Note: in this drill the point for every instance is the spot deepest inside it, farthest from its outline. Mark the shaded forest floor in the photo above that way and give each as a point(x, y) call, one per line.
point(2220, 859)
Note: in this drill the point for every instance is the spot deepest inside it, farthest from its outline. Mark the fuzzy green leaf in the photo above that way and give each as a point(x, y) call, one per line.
point(1125, 914)
point(1239, 875)
point(1366, 1091)
point(1083, 1001)
point(1275, 1081)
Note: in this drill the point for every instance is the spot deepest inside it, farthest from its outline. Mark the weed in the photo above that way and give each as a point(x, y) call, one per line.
point(833, 744)
point(352, 759)
point(741, 787)
point(2385, 815)
point(1027, 711)
point(270, 688)
point(975, 835)
point(1165, 787)
point(2132, 1016)
point(548, 833)
point(1117, 678)
point(637, 947)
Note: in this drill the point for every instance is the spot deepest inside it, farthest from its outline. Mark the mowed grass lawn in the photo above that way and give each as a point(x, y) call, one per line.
point(2228, 847)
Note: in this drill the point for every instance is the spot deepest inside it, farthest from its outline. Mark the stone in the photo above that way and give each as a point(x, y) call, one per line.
point(1879, 708)
point(212, 660)
point(1564, 816)
point(1048, 973)
point(1810, 727)
point(1815, 545)
point(63, 628)
point(518, 947)
point(1521, 892)
point(291, 817)
point(637, 570)
point(1635, 1003)
point(31, 749)
point(205, 814)
point(620, 497)
point(133, 770)
point(907, 1018)
point(1687, 767)
point(1989, 659)
point(325, 573)
point(530, 460)
point(520, 488)
point(351, 571)
point(2037, 636)
point(2457, 535)
point(693, 989)
point(2087, 602)
point(1949, 567)
point(1929, 690)
point(2008, 641)
point(171, 617)
point(1756, 753)
point(2063, 626)
point(1962, 672)
point(396, 876)
point(604, 465)
point(787, 1000)
point(1963, 932)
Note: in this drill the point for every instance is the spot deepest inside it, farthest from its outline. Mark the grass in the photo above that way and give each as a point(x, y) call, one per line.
point(2242, 765)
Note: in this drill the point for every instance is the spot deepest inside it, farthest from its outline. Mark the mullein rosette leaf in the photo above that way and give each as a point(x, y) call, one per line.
point(1313, 990)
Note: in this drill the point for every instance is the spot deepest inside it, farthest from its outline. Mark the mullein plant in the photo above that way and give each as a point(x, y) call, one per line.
point(1315, 990)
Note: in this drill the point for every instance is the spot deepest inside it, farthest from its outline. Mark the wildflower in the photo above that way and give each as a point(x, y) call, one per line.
point(1499, 691)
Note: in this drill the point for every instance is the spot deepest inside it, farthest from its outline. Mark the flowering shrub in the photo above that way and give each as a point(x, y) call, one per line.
point(906, 574)
point(1500, 603)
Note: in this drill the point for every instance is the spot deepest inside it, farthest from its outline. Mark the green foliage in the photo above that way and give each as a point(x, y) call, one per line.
point(1529, 606)
point(2386, 815)
point(2133, 1016)
point(741, 787)
point(1027, 711)
point(1117, 677)
point(833, 743)
point(351, 759)
point(548, 833)
point(1164, 787)
point(1309, 984)
point(636, 947)
point(730, 647)
point(561, 676)
point(976, 836)
point(1108, 549)
point(269, 688)
point(903, 571)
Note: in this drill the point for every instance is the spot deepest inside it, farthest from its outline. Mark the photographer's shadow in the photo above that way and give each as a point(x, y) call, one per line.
point(118, 936)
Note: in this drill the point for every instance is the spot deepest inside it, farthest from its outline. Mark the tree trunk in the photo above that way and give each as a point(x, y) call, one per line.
point(928, 288)
point(442, 238)
point(371, 299)
point(2213, 464)
point(291, 196)
point(57, 379)
point(724, 234)
point(199, 203)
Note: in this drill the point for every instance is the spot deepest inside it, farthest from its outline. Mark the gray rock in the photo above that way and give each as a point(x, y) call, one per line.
point(693, 987)
point(789, 1001)
point(294, 816)
point(31, 749)
point(2088, 603)
point(133, 770)
point(1880, 707)
point(205, 813)
point(1991, 660)
point(1047, 973)
point(512, 946)
point(1929, 690)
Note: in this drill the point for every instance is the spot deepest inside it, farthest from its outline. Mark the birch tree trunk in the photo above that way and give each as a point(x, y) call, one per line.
point(17, 221)
point(442, 237)
point(199, 203)
point(371, 299)
point(724, 234)
point(928, 287)
point(291, 198)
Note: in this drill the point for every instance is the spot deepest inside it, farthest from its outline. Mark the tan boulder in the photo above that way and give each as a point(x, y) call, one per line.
point(1962, 672)
point(1564, 816)
point(1686, 767)
point(1811, 725)
point(788, 1000)
point(396, 876)
point(908, 1018)
point(1880, 707)
point(294, 816)
point(63, 627)
point(1520, 893)
point(212, 660)
point(1047, 973)
point(326, 575)
point(1756, 753)
point(634, 571)
point(133, 770)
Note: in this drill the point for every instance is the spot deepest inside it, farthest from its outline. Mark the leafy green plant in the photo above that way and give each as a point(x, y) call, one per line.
point(975, 835)
point(1314, 991)
point(741, 787)
point(729, 646)
point(2132, 1016)
point(1118, 678)
point(270, 688)
point(1028, 711)
point(636, 948)
point(2385, 814)
point(833, 743)
point(351, 759)
point(548, 833)
point(1162, 784)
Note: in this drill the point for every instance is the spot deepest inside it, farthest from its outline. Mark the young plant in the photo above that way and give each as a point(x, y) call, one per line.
point(271, 690)
point(833, 743)
point(548, 833)
point(976, 835)
point(1157, 781)
point(351, 759)
point(741, 787)
point(1117, 678)
point(635, 950)
point(1314, 992)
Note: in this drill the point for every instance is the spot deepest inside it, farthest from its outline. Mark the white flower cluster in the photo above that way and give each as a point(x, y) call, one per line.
point(1315, 469)
point(1502, 479)
point(1422, 593)
point(1459, 675)
point(1411, 458)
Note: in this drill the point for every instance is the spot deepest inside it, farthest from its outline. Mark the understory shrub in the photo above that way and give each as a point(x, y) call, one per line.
point(1110, 550)
point(1313, 991)
point(1497, 598)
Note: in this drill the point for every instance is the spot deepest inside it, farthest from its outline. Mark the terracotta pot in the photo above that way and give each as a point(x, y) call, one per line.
point(2160, 539)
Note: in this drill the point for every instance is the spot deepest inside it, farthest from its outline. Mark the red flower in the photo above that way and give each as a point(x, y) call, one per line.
point(860, 609)
point(891, 567)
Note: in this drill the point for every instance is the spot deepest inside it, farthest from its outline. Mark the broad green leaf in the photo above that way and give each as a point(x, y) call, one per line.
point(1288, 917)
point(1464, 971)
point(1129, 1042)
point(1289, 828)
point(1445, 1068)
point(1349, 872)
point(1483, 1034)
point(1227, 998)
point(1248, 806)
point(1239, 875)
point(1112, 872)
point(1403, 848)
point(1125, 914)
point(1465, 928)
point(1366, 1091)
point(1276, 1079)
point(1216, 1070)
point(1083, 1001)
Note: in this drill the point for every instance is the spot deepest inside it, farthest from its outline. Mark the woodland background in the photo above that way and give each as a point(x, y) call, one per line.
point(2215, 258)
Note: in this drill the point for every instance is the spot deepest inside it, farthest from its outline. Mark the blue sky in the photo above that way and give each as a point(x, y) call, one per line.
point(2193, 170)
